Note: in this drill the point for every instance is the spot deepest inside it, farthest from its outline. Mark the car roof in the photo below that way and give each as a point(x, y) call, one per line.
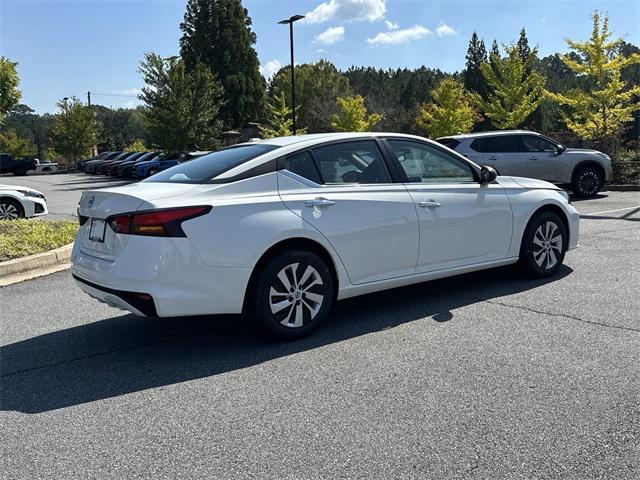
point(493, 133)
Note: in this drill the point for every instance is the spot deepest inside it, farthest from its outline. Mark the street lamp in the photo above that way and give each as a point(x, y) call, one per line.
point(289, 21)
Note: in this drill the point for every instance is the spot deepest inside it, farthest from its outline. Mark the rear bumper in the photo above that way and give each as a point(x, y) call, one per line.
point(168, 270)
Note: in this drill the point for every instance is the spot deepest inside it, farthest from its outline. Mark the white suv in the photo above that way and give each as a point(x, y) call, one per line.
point(528, 154)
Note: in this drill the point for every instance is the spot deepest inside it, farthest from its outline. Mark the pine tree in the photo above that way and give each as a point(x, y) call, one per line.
point(218, 33)
point(352, 116)
point(181, 107)
point(515, 94)
point(523, 46)
point(451, 111)
point(476, 56)
point(599, 113)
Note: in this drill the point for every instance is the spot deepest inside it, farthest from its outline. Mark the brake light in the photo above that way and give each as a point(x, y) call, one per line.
point(156, 223)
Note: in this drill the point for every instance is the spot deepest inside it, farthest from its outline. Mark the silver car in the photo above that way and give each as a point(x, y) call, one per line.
point(528, 154)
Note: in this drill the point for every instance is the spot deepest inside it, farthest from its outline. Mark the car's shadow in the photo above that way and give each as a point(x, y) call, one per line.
point(126, 354)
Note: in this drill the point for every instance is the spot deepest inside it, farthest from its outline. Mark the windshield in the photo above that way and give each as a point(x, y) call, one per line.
point(207, 167)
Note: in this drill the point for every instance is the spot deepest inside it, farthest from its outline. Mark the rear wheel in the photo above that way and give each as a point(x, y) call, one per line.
point(292, 294)
point(19, 172)
point(587, 181)
point(10, 209)
point(543, 246)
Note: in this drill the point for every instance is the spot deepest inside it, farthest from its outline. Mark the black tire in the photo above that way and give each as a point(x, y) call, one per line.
point(292, 302)
point(8, 205)
point(537, 252)
point(587, 181)
point(20, 172)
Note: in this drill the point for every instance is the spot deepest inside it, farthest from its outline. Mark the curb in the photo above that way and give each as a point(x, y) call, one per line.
point(37, 261)
point(623, 188)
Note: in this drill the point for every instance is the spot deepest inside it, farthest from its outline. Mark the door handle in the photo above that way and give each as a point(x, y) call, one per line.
point(533, 158)
point(493, 158)
point(319, 202)
point(429, 204)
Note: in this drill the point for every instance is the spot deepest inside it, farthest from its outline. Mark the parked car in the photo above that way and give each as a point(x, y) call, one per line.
point(529, 154)
point(166, 161)
point(112, 167)
point(8, 164)
point(284, 227)
point(102, 166)
point(90, 166)
point(125, 169)
point(100, 156)
point(21, 202)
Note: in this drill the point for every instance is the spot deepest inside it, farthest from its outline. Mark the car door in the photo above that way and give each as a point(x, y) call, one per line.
point(502, 152)
point(345, 190)
point(461, 221)
point(543, 160)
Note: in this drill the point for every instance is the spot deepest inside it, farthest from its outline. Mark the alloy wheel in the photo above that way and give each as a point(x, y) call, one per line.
point(8, 211)
point(588, 182)
point(547, 245)
point(296, 295)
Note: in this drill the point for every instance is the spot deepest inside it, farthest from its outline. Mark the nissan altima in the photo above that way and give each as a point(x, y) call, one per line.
point(283, 228)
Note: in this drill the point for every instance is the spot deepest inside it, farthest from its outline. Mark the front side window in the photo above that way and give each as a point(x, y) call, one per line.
point(425, 164)
point(533, 143)
point(352, 162)
point(208, 167)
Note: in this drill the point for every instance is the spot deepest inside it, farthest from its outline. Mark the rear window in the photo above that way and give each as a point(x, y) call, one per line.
point(207, 167)
point(452, 143)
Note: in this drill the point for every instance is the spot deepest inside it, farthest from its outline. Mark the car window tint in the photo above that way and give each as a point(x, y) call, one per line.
point(426, 164)
point(533, 143)
point(352, 162)
point(207, 167)
point(452, 143)
point(497, 144)
point(302, 164)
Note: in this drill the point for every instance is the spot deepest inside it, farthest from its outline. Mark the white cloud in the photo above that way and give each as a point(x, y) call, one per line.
point(270, 68)
point(321, 51)
point(399, 36)
point(330, 36)
point(444, 30)
point(391, 25)
point(347, 11)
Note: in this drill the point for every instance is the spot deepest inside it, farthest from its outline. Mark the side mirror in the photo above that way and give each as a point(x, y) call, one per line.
point(487, 174)
point(560, 149)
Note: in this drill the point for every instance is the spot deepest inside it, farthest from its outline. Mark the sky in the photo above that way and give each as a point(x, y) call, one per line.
point(68, 47)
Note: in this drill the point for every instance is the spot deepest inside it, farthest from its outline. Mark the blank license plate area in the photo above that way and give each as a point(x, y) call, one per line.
point(96, 232)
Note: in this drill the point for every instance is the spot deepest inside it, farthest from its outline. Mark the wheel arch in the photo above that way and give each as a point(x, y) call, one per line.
point(288, 244)
point(588, 163)
point(553, 208)
point(15, 201)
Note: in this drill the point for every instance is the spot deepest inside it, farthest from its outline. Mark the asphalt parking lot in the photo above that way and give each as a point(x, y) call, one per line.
point(486, 375)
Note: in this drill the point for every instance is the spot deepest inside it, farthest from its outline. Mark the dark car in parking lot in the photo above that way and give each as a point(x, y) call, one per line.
point(101, 168)
point(125, 169)
point(8, 164)
point(91, 165)
point(146, 169)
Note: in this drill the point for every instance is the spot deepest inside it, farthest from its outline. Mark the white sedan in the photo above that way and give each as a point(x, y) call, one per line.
point(282, 228)
point(21, 202)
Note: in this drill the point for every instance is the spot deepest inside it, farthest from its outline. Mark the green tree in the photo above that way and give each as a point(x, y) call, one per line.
point(451, 112)
point(218, 33)
point(523, 46)
point(74, 131)
point(352, 116)
point(318, 85)
point(32, 126)
point(9, 93)
point(476, 56)
point(181, 108)
point(514, 93)
point(598, 113)
point(18, 147)
point(280, 119)
point(136, 146)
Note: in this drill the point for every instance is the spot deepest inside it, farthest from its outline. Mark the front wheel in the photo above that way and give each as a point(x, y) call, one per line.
point(543, 246)
point(10, 210)
point(292, 294)
point(587, 181)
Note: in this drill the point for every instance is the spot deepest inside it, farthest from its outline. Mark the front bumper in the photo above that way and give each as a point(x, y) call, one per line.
point(574, 226)
point(34, 207)
point(166, 269)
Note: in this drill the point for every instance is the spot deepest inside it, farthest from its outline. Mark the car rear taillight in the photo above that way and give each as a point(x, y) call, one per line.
point(166, 222)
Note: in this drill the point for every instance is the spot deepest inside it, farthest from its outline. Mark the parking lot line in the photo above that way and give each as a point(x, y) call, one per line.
point(609, 211)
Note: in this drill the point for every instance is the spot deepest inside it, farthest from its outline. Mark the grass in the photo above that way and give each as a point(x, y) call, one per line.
point(19, 238)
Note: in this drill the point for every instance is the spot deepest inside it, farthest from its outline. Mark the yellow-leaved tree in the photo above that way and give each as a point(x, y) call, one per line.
point(450, 112)
point(599, 113)
point(280, 119)
point(352, 116)
point(516, 88)
point(136, 146)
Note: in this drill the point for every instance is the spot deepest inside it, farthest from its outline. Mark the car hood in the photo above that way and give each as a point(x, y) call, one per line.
point(523, 182)
point(16, 187)
point(582, 150)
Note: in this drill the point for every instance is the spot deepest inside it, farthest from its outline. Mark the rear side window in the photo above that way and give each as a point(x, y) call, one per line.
point(207, 167)
point(497, 144)
point(302, 164)
point(452, 143)
point(352, 162)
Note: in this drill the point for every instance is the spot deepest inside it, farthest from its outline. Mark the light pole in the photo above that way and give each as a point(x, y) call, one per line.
point(289, 21)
